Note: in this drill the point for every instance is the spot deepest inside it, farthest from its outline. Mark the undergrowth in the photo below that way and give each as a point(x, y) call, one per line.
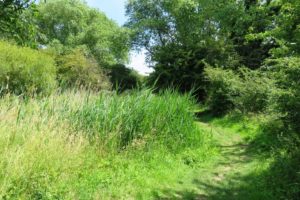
point(81, 145)
point(275, 170)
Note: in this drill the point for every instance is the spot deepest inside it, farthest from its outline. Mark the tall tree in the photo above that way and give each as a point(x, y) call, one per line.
point(181, 36)
point(16, 21)
point(73, 23)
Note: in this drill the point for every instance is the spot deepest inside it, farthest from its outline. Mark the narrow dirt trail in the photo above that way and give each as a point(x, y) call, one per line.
point(226, 176)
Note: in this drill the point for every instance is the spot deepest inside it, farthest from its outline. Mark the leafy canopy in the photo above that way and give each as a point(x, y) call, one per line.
point(17, 21)
point(73, 23)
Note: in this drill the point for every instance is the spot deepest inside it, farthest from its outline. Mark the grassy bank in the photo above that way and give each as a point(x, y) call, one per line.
point(80, 145)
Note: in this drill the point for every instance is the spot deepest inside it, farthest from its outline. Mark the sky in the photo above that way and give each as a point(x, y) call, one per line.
point(115, 9)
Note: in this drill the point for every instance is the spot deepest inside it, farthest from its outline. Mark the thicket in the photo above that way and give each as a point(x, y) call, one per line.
point(76, 68)
point(287, 98)
point(123, 78)
point(245, 90)
point(25, 71)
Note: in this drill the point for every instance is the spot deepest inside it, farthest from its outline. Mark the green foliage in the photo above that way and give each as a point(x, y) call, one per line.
point(76, 69)
point(287, 97)
point(284, 175)
point(17, 21)
point(25, 71)
point(73, 23)
point(141, 116)
point(43, 156)
point(251, 17)
point(245, 90)
point(287, 29)
point(182, 67)
point(254, 91)
point(124, 78)
point(181, 35)
point(220, 89)
point(271, 170)
point(178, 35)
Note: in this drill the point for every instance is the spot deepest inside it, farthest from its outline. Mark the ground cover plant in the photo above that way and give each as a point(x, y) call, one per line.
point(85, 145)
point(217, 118)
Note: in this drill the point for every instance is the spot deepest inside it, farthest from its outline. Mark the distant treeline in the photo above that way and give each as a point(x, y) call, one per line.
point(87, 49)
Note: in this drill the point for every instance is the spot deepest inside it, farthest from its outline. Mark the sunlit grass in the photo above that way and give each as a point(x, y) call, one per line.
point(81, 145)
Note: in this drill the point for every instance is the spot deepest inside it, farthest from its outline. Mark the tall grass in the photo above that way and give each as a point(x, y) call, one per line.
point(39, 153)
point(118, 121)
point(81, 145)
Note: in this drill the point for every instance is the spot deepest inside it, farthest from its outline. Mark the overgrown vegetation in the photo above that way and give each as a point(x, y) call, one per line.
point(76, 68)
point(76, 123)
point(25, 71)
point(120, 120)
point(245, 90)
point(124, 78)
point(85, 145)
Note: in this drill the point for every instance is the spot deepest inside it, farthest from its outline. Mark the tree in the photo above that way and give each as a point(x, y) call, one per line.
point(180, 36)
point(17, 21)
point(287, 29)
point(73, 24)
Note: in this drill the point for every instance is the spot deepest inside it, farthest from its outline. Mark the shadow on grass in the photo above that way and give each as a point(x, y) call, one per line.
point(222, 120)
point(280, 180)
point(233, 187)
point(224, 185)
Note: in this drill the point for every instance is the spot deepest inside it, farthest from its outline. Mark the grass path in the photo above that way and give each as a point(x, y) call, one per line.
point(230, 175)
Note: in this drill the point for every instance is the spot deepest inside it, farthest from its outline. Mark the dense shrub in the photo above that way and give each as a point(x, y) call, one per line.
point(287, 97)
point(220, 90)
point(25, 71)
point(284, 174)
point(77, 69)
point(254, 89)
point(246, 90)
point(124, 78)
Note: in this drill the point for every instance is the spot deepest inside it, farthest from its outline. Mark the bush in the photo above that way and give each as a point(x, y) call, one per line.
point(220, 90)
point(77, 69)
point(25, 71)
point(124, 78)
point(246, 90)
point(254, 90)
point(287, 97)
